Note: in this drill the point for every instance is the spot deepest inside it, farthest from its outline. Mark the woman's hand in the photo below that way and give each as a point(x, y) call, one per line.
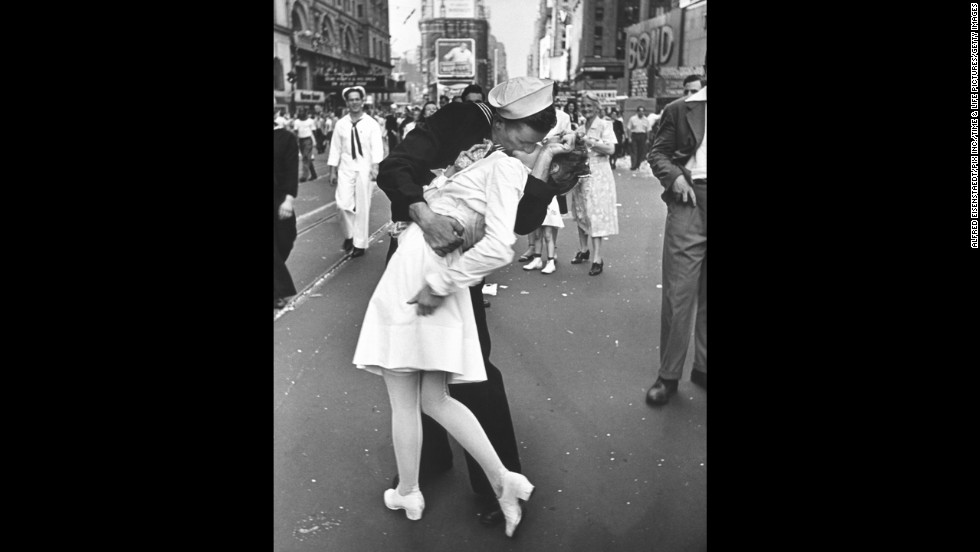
point(426, 301)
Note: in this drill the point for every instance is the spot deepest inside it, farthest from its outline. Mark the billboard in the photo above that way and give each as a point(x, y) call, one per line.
point(455, 58)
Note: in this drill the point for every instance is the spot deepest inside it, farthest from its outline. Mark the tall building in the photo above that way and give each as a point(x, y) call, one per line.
point(598, 45)
point(550, 48)
point(498, 62)
point(324, 44)
point(446, 25)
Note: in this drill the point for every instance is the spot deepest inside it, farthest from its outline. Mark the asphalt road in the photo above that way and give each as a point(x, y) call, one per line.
point(577, 354)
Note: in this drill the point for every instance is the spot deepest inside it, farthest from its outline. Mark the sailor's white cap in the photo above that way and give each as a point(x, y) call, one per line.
point(521, 96)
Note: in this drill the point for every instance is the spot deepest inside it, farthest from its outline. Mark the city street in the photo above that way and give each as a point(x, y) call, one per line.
point(577, 354)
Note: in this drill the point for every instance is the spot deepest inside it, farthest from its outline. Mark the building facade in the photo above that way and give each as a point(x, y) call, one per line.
point(598, 45)
point(322, 45)
point(665, 49)
point(446, 21)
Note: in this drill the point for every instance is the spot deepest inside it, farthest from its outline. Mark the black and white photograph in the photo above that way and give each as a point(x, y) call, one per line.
point(490, 275)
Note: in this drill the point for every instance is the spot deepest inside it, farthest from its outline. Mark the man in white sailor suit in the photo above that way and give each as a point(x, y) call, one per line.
point(355, 152)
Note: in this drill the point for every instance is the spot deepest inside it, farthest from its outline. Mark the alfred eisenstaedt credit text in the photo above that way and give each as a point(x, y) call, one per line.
point(974, 108)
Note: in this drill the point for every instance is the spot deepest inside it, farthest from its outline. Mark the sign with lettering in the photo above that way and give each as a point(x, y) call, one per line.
point(463, 9)
point(455, 58)
point(336, 83)
point(314, 96)
point(651, 43)
point(606, 97)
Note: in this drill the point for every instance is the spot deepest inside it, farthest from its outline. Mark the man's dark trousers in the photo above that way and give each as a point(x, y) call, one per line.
point(488, 402)
point(285, 236)
point(638, 141)
point(685, 280)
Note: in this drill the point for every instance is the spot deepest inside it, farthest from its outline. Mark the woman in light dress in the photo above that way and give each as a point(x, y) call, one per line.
point(593, 202)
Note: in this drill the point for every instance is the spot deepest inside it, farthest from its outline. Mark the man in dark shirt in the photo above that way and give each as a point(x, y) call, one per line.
point(454, 128)
point(286, 174)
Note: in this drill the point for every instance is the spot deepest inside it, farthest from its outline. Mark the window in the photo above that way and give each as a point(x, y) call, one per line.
point(597, 41)
point(360, 10)
point(301, 77)
point(277, 74)
point(297, 20)
point(600, 12)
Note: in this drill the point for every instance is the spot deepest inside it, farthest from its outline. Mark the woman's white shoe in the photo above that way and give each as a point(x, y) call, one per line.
point(549, 268)
point(515, 487)
point(535, 264)
point(412, 503)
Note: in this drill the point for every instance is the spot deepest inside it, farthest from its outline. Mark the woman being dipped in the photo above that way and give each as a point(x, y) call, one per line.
point(419, 331)
point(593, 202)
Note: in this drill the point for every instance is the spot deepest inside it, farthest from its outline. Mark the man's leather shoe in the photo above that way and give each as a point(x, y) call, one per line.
point(279, 303)
point(356, 252)
point(661, 391)
point(700, 379)
point(348, 244)
point(486, 303)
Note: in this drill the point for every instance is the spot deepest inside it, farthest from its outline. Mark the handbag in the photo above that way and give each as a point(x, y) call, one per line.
point(567, 169)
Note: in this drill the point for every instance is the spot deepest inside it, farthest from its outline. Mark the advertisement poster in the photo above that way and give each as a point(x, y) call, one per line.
point(456, 58)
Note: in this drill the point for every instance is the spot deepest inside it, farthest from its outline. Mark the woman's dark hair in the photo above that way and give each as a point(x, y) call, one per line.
point(542, 121)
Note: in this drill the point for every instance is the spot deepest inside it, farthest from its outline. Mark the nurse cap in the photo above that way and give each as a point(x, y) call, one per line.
point(521, 97)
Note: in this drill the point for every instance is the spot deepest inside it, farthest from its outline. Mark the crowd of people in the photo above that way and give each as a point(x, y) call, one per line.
point(464, 179)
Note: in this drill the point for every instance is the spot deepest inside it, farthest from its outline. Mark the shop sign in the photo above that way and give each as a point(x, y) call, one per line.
point(651, 43)
point(313, 96)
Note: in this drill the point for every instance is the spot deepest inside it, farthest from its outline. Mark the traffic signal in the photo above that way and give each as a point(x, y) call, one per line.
point(291, 76)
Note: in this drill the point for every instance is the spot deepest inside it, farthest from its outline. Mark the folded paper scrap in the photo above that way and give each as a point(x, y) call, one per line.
point(490, 289)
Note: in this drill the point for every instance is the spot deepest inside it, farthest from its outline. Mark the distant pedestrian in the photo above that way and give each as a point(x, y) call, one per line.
point(304, 127)
point(472, 93)
point(321, 139)
point(391, 131)
point(679, 159)
point(443, 100)
point(620, 131)
point(428, 110)
point(355, 152)
point(411, 114)
point(285, 172)
point(638, 127)
point(571, 109)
